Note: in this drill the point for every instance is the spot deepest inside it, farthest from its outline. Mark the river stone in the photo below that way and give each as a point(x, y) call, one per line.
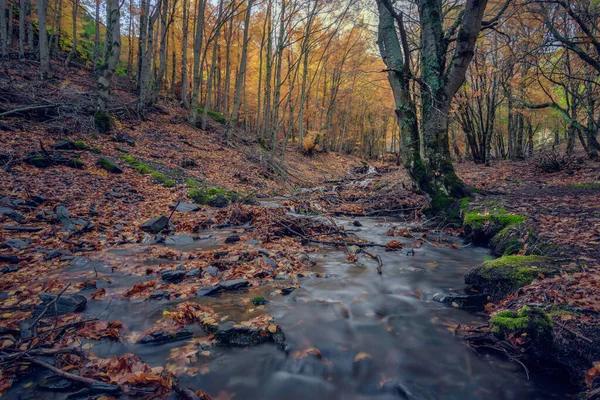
point(172, 276)
point(10, 259)
point(159, 295)
point(270, 262)
point(64, 145)
point(10, 268)
point(233, 284)
point(282, 277)
point(464, 301)
point(179, 240)
point(56, 384)
point(194, 273)
point(212, 271)
point(356, 223)
point(219, 201)
point(67, 303)
point(208, 291)
point(283, 385)
point(12, 214)
point(16, 244)
point(286, 291)
point(155, 225)
point(233, 238)
point(50, 254)
point(185, 207)
point(304, 257)
point(160, 337)
point(232, 334)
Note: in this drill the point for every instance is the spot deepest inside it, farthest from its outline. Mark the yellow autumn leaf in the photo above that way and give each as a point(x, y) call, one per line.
point(362, 356)
point(272, 328)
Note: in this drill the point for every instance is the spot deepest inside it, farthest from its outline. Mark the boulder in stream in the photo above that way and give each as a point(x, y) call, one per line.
point(172, 276)
point(179, 240)
point(233, 284)
point(208, 291)
point(463, 301)
point(160, 337)
point(232, 334)
point(67, 303)
point(185, 207)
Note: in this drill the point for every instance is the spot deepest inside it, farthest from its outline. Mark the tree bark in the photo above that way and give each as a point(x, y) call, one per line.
point(3, 29)
point(196, 69)
point(43, 39)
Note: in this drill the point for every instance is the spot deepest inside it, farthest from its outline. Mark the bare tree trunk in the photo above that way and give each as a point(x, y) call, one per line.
point(22, 12)
point(241, 73)
point(184, 58)
point(3, 29)
point(213, 66)
point(10, 21)
point(113, 54)
point(266, 124)
point(73, 52)
point(196, 69)
point(29, 14)
point(43, 39)
point(164, 9)
point(130, 36)
point(97, 35)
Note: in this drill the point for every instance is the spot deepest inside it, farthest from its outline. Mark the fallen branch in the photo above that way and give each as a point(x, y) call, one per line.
point(579, 335)
point(30, 108)
point(186, 393)
point(45, 310)
point(330, 243)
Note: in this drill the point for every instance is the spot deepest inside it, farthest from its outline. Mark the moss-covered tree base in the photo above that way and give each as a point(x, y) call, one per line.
point(481, 227)
point(102, 122)
point(507, 274)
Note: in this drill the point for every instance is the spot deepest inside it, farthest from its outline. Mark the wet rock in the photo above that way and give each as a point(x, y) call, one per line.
point(356, 223)
point(179, 240)
point(208, 291)
point(147, 239)
point(233, 238)
point(181, 267)
point(159, 295)
point(233, 284)
point(283, 385)
point(270, 262)
point(232, 334)
point(118, 228)
point(219, 254)
point(304, 257)
point(10, 268)
point(10, 213)
point(395, 388)
point(252, 242)
point(67, 303)
point(212, 271)
point(464, 301)
point(155, 225)
point(89, 285)
point(160, 337)
point(185, 207)
point(265, 253)
point(50, 254)
point(172, 276)
point(282, 277)
point(16, 244)
point(38, 160)
point(286, 291)
point(10, 259)
point(195, 273)
point(81, 262)
point(259, 301)
point(109, 165)
point(363, 366)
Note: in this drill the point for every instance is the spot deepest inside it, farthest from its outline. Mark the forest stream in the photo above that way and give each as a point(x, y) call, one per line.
point(350, 333)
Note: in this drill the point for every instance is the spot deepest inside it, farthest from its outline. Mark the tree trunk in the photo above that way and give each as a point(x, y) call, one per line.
point(3, 29)
point(97, 35)
point(73, 52)
point(22, 12)
point(196, 69)
point(237, 98)
point(213, 67)
point(113, 39)
point(184, 58)
point(43, 39)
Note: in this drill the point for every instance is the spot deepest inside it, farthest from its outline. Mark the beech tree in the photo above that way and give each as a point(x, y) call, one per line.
point(444, 58)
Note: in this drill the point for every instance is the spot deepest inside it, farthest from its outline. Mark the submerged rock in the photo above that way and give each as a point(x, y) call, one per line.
point(208, 291)
point(463, 301)
point(16, 244)
point(185, 207)
point(232, 239)
point(232, 334)
point(160, 337)
point(173, 276)
point(179, 240)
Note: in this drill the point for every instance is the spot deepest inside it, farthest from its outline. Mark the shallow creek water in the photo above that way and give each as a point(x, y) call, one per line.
point(379, 336)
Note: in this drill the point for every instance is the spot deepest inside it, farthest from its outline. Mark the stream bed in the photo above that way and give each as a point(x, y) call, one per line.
point(354, 334)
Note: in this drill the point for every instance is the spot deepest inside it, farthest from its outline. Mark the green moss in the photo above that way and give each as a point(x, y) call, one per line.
point(475, 190)
point(213, 196)
point(215, 115)
point(480, 228)
point(109, 165)
point(145, 169)
point(507, 274)
point(96, 150)
point(102, 122)
point(259, 300)
point(75, 163)
point(81, 145)
point(531, 323)
point(586, 185)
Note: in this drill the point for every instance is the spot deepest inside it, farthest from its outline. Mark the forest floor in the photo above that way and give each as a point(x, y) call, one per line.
point(64, 221)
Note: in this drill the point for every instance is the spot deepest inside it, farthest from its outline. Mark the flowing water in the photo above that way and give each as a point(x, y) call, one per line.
point(378, 336)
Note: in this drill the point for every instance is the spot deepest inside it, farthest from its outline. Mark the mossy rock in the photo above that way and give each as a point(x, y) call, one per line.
point(507, 274)
point(75, 163)
point(481, 228)
point(218, 117)
point(39, 161)
point(531, 324)
point(109, 165)
point(517, 238)
point(142, 168)
point(212, 196)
